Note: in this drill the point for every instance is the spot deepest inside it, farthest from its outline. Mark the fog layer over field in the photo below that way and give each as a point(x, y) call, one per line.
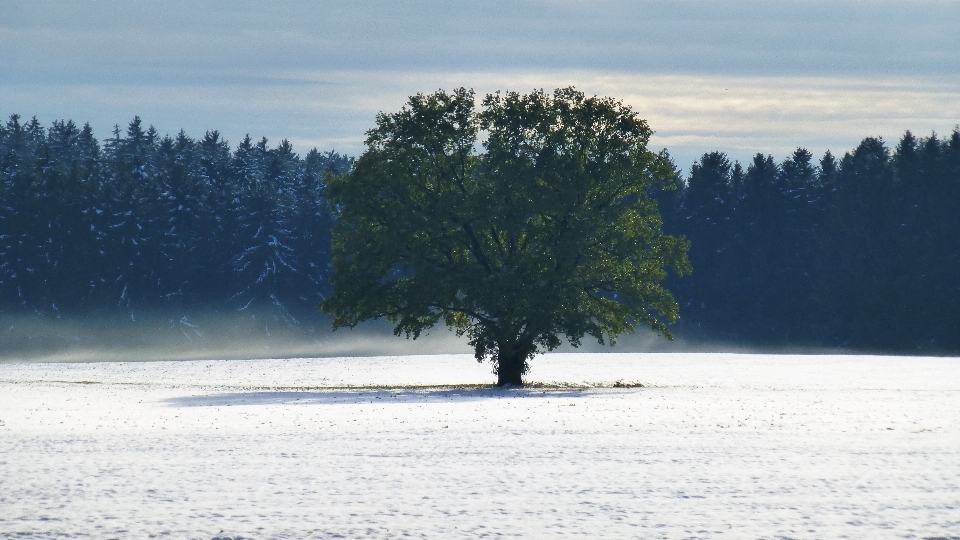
point(148, 336)
point(710, 446)
point(201, 335)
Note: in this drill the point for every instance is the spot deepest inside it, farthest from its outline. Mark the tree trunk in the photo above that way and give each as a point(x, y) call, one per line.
point(512, 363)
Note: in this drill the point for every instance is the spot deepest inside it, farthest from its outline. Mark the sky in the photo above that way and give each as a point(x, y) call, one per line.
point(740, 77)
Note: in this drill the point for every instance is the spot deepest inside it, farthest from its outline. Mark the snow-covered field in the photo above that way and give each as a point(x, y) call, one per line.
point(712, 445)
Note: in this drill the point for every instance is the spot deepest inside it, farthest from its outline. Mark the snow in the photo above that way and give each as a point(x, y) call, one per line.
point(711, 446)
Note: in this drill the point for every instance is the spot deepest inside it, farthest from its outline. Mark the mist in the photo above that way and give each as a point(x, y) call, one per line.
point(160, 335)
point(200, 335)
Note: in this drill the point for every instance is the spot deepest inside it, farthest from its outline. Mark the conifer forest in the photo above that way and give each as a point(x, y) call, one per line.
point(859, 251)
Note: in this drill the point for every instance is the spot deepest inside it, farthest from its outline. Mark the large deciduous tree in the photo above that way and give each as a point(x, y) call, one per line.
point(516, 224)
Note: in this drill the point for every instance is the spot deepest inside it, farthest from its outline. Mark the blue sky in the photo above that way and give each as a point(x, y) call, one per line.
point(741, 77)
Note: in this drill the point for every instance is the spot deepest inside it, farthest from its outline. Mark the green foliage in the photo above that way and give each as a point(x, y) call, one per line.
point(516, 224)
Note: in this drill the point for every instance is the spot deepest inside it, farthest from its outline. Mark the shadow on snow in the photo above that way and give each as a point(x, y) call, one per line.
point(341, 396)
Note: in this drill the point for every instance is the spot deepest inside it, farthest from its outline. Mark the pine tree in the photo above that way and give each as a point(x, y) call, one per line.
point(133, 228)
point(21, 230)
point(71, 172)
point(795, 250)
point(266, 266)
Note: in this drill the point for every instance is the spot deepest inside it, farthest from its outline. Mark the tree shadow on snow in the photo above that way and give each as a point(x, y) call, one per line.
point(341, 396)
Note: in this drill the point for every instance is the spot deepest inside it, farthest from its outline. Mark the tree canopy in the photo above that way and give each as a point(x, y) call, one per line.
point(517, 224)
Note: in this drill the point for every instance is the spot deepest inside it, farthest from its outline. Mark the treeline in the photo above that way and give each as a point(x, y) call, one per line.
point(860, 252)
point(146, 221)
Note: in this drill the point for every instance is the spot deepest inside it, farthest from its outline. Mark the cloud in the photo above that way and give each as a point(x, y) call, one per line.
point(736, 76)
point(691, 114)
point(168, 41)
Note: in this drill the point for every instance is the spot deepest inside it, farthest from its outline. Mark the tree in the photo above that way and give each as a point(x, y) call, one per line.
point(708, 206)
point(549, 230)
point(268, 264)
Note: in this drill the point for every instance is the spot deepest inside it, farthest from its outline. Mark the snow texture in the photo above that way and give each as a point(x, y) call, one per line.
point(711, 446)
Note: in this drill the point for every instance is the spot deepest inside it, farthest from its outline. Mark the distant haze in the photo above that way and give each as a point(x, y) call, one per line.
point(166, 335)
point(206, 335)
point(740, 77)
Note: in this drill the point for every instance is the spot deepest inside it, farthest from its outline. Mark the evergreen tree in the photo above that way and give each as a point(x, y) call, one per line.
point(266, 265)
point(707, 207)
point(755, 237)
point(315, 220)
point(215, 215)
point(70, 172)
point(794, 250)
point(22, 233)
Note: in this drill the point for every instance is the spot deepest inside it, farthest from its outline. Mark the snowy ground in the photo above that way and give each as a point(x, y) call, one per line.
point(712, 446)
